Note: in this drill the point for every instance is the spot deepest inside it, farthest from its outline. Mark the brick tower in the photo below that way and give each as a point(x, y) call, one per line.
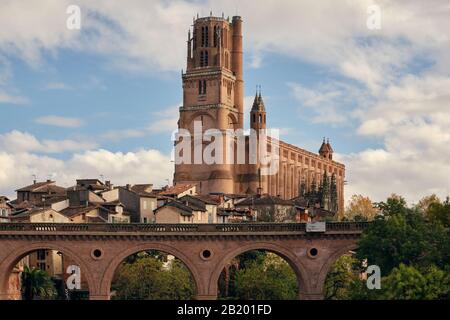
point(213, 95)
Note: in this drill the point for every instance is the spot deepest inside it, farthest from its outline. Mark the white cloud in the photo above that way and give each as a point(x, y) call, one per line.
point(330, 103)
point(165, 121)
point(11, 99)
point(412, 121)
point(16, 142)
point(143, 166)
point(58, 121)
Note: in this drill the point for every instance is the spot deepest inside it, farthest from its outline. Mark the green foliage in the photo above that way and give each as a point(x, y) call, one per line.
point(407, 282)
point(412, 248)
point(404, 236)
point(37, 284)
point(342, 279)
point(270, 279)
point(439, 213)
point(395, 204)
point(146, 278)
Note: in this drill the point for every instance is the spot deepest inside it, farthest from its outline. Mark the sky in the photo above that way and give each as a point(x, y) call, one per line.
point(102, 101)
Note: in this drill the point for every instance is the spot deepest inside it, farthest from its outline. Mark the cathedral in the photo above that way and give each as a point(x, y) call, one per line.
point(213, 94)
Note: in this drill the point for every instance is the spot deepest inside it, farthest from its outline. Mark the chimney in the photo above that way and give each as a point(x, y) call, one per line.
point(128, 187)
point(108, 184)
point(259, 192)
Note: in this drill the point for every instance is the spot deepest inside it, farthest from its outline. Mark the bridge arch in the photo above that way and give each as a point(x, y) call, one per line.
point(326, 267)
point(291, 258)
point(11, 260)
point(105, 285)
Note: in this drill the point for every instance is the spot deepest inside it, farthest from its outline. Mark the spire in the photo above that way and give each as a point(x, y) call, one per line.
point(258, 103)
point(323, 148)
point(326, 150)
point(330, 149)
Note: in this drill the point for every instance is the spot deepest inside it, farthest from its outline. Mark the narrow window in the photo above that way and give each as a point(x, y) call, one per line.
point(216, 29)
point(201, 87)
point(203, 36)
point(205, 62)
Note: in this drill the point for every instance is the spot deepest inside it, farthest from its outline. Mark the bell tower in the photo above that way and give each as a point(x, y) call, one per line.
point(213, 96)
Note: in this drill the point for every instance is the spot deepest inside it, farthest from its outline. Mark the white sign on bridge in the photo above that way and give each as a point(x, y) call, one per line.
point(315, 226)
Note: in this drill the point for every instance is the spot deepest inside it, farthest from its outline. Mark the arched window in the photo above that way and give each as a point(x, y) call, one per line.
point(205, 62)
point(260, 118)
point(254, 118)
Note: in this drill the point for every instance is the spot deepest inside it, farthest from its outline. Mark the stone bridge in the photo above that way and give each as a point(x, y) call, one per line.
point(204, 248)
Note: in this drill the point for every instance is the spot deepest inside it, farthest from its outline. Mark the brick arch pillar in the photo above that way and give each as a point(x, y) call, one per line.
point(294, 259)
point(111, 265)
point(317, 268)
point(18, 250)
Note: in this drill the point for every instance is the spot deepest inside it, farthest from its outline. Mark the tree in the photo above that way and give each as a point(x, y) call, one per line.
point(37, 284)
point(147, 278)
point(439, 213)
point(333, 194)
point(267, 277)
point(408, 282)
point(360, 208)
point(343, 279)
point(324, 191)
point(425, 203)
point(394, 204)
point(405, 236)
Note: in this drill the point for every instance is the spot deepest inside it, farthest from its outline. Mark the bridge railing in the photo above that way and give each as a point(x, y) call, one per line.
point(177, 228)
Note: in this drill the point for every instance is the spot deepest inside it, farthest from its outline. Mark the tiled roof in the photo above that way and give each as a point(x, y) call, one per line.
point(185, 208)
point(78, 210)
point(199, 198)
point(44, 187)
point(143, 189)
point(177, 189)
point(30, 212)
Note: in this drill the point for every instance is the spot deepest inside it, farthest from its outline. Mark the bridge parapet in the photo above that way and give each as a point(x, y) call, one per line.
point(177, 228)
